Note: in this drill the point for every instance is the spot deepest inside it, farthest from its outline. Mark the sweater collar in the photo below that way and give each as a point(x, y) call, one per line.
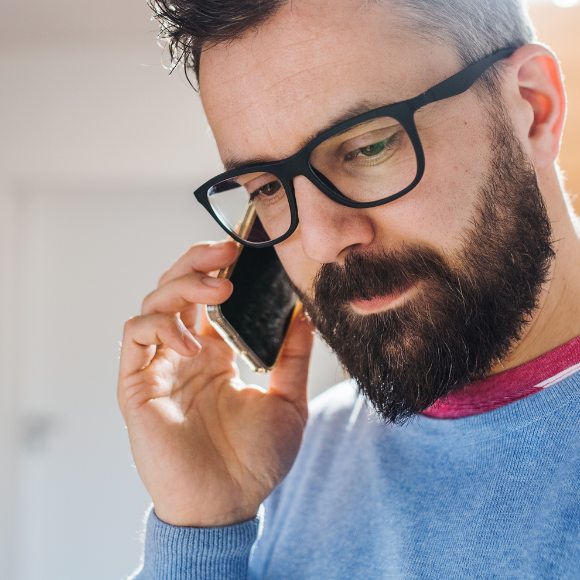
point(511, 385)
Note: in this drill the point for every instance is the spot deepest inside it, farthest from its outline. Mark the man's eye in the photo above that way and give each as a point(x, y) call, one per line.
point(374, 149)
point(267, 190)
point(371, 151)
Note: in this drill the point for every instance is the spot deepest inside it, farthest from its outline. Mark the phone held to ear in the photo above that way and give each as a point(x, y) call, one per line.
point(254, 320)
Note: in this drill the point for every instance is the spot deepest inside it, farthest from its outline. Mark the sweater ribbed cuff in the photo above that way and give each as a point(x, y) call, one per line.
point(175, 553)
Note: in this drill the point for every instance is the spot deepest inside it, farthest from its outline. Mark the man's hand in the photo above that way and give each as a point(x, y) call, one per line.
point(208, 448)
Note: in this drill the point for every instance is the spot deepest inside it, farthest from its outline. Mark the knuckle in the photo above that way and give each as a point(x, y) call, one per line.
point(194, 251)
point(170, 320)
point(163, 278)
point(130, 324)
point(167, 324)
point(147, 301)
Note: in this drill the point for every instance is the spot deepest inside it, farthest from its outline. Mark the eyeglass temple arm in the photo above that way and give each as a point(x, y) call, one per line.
point(459, 82)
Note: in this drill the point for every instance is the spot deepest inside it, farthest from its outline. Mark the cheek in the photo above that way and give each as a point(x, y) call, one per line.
point(438, 211)
point(298, 266)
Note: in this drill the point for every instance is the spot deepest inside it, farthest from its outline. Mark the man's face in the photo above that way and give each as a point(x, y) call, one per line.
point(270, 91)
point(267, 93)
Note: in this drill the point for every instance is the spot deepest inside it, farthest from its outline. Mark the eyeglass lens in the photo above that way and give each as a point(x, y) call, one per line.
point(370, 162)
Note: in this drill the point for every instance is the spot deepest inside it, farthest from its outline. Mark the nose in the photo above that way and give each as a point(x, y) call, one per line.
point(329, 230)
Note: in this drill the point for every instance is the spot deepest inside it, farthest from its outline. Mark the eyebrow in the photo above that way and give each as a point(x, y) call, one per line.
point(233, 162)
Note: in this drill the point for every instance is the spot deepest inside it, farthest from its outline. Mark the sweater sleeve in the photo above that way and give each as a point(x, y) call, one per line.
point(176, 553)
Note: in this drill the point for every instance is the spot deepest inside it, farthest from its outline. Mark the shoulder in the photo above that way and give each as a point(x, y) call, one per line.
point(335, 404)
point(337, 413)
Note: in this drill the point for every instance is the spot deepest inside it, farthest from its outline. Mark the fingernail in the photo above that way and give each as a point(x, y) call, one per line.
point(214, 282)
point(190, 342)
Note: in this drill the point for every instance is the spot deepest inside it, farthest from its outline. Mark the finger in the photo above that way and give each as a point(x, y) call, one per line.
point(205, 257)
point(181, 293)
point(190, 316)
point(144, 333)
point(290, 377)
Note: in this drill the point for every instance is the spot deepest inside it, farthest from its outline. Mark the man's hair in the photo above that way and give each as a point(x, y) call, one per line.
point(476, 28)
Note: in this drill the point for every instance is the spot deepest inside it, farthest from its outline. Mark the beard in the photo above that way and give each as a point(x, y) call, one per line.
point(467, 311)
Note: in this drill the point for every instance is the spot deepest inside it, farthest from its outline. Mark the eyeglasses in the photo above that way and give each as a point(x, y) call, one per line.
point(369, 160)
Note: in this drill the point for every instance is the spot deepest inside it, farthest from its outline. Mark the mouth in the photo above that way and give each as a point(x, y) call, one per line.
point(382, 302)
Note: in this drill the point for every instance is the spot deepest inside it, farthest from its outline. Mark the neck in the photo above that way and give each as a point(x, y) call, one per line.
point(557, 318)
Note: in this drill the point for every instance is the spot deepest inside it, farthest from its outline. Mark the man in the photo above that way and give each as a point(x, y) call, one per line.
point(438, 256)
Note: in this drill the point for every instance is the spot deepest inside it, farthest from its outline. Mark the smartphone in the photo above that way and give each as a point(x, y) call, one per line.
point(254, 320)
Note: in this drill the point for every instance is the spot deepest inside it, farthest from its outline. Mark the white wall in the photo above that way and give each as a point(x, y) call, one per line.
point(99, 153)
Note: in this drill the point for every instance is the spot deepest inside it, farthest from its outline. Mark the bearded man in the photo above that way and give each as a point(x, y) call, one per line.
point(435, 252)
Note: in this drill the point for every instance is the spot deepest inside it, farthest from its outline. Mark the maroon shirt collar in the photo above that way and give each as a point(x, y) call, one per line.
point(505, 388)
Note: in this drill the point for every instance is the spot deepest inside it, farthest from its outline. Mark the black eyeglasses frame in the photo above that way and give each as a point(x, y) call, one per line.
point(287, 169)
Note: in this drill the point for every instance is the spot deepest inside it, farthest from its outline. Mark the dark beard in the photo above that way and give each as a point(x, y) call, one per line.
point(469, 310)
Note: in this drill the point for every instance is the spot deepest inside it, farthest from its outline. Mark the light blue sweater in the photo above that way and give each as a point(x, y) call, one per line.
point(495, 495)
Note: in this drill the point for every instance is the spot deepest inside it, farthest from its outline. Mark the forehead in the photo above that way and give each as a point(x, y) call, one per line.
point(264, 93)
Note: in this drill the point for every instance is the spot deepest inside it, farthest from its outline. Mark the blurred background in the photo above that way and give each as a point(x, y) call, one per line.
point(99, 152)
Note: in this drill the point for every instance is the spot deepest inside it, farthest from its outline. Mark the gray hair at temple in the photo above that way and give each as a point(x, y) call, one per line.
point(476, 28)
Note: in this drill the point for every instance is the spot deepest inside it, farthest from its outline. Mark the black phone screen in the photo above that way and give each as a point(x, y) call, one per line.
point(261, 305)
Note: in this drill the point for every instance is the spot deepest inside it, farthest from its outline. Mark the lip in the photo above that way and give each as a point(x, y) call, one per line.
point(380, 303)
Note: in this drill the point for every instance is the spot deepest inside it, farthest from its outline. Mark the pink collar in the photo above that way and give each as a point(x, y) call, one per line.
point(504, 388)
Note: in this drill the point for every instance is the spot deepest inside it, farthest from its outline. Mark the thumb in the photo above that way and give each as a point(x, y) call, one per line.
point(290, 377)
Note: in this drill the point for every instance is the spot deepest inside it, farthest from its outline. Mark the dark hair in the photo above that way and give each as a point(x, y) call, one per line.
point(476, 28)
point(188, 25)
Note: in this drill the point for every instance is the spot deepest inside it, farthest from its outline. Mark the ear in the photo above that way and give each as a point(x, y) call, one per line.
point(538, 104)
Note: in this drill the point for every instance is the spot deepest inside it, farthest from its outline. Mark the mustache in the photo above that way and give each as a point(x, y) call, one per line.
point(364, 275)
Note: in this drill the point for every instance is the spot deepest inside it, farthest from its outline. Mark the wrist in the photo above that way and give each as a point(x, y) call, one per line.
point(197, 519)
